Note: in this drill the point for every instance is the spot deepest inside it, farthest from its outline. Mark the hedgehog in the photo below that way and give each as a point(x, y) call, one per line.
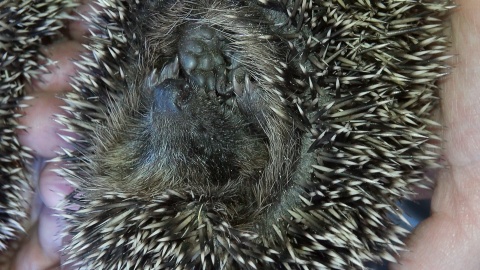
point(234, 134)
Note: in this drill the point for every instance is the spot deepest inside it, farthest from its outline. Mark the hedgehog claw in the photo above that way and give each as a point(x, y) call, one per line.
point(237, 88)
point(170, 70)
point(248, 84)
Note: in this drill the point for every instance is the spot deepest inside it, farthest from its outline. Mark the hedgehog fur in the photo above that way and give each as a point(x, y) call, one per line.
point(230, 134)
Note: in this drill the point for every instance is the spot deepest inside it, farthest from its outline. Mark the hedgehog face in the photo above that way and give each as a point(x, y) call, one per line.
point(196, 138)
point(188, 131)
point(179, 136)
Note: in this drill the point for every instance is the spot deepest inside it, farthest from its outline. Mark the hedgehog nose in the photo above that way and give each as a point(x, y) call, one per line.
point(171, 96)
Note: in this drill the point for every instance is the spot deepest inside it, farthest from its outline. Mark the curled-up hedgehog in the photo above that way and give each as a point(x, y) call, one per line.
point(229, 134)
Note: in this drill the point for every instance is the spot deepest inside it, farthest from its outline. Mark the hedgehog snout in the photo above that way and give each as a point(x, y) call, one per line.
point(171, 96)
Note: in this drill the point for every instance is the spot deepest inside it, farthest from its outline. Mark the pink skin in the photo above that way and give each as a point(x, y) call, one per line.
point(449, 239)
